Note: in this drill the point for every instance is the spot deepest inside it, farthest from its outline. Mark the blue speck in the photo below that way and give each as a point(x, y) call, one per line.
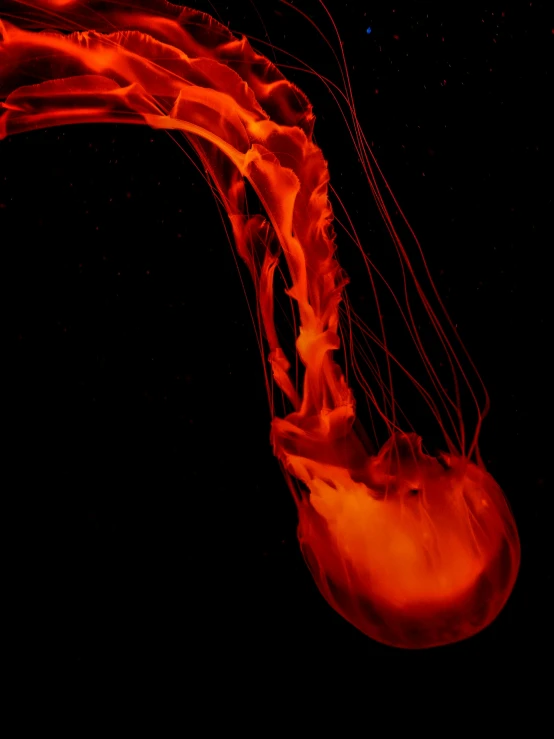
point(368, 30)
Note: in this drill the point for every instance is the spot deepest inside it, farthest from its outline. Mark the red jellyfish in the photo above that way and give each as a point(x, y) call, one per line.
point(414, 550)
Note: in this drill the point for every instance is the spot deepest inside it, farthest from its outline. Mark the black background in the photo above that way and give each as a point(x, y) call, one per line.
point(156, 529)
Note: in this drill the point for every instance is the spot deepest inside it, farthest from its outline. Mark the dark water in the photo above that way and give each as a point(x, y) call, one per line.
point(156, 526)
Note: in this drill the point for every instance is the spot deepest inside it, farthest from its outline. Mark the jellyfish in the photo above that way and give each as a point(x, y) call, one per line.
point(415, 549)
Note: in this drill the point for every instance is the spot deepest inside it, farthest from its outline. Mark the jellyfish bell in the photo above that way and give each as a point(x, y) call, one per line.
point(420, 552)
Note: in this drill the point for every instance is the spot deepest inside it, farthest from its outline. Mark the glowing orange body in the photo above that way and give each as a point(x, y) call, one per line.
point(413, 550)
